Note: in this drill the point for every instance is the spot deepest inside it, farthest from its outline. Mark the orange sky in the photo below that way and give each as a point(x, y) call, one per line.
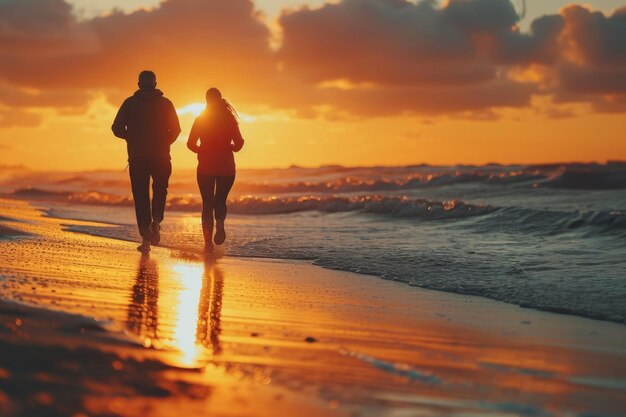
point(358, 82)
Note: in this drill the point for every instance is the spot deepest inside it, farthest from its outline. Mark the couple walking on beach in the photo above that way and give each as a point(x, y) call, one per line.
point(147, 121)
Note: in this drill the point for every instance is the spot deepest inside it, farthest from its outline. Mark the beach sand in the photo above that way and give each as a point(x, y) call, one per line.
point(90, 327)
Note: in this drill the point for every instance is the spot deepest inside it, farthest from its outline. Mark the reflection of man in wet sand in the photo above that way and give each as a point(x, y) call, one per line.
point(143, 309)
point(210, 308)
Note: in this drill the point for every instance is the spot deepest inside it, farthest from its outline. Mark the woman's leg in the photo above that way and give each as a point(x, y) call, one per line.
point(222, 188)
point(206, 183)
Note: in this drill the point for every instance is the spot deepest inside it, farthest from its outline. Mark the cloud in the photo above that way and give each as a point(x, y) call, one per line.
point(416, 57)
point(34, 29)
point(433, 101)
point(354, 58)
point(594, 38)
point(383, 42)
point(464, 56)
point(593, 68)
point(61, 99)
point(18, 118)
point(191, 44)
point(540, 46)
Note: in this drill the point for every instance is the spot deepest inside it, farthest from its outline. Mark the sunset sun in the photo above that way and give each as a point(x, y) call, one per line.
point(193, 108)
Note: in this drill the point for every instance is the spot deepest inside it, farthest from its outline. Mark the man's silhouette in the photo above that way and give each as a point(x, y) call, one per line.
point(148, 123)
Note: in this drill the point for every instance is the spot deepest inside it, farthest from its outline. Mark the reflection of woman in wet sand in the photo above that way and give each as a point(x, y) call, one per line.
point(210, 308)
point(143, 309)
point(218, 132)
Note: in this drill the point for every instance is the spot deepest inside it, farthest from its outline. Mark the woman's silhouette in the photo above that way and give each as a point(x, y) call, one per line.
point(218, 131)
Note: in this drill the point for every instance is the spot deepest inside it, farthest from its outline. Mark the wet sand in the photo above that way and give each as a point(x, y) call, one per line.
point(88, 326)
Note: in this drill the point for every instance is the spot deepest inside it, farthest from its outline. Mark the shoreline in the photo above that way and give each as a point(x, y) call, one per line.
point(284, 334)
point(40, 204)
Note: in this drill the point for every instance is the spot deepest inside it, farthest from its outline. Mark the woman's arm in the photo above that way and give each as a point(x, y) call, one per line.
point(192, 142)
point(237, 139)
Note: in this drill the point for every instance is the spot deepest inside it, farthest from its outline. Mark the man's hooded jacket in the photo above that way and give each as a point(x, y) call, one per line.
point(149, 124)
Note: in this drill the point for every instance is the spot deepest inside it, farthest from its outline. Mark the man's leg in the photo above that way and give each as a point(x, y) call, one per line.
point(222, 188)
point(140, 184)
point(160, 170)
point(206, 183)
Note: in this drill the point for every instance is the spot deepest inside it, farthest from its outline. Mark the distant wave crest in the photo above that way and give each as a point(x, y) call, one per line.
point(496, 218)
point(410, 182)
point(401, 207)
point(587, 179)
point(575, 176)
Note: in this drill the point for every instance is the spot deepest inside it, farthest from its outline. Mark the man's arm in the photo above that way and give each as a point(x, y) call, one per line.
point(173, 125)
point(120, 124)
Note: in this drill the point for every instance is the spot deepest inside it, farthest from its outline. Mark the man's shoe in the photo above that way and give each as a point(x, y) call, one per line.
point(220, 233)
point(144, 247)
point(155, 233)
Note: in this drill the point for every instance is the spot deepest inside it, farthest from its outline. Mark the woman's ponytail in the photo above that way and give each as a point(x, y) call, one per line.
point(230, 108)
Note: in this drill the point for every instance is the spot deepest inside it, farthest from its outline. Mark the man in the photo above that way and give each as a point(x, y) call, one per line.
point(147, 121)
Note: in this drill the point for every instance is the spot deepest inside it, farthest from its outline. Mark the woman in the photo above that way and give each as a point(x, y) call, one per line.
point(218, 131)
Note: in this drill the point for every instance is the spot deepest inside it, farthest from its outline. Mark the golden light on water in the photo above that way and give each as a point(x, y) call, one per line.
point(180, 310)
point(186, 322)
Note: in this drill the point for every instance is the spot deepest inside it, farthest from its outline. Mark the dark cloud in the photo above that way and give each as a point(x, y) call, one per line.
point(578, 79)
point(432, 101)
point(471, 50)
point(355, 57)
point(39, 28)
point(381, 41)
point(480, 16)
point(592, 68)
point(540, 46)
point(63, 99)
point(596, 39)
point(191, 44)
point(419, 57)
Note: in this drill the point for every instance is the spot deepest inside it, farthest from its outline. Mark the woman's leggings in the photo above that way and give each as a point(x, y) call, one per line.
point(214, 191)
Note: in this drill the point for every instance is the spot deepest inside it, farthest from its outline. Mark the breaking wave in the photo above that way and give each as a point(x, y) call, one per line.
point(517, 219)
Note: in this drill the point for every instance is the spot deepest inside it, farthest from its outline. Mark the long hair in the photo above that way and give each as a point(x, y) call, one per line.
point(230, 108)
point(213, 94)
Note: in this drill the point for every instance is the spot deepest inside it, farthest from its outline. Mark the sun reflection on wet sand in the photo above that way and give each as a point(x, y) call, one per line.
point(197, 324)
point(188, 314)
point(186, 322)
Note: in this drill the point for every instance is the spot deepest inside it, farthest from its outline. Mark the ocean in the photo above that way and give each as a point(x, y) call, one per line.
point(548, 237)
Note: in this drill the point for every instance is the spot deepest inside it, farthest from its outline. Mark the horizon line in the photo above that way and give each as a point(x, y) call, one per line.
point(336, 165)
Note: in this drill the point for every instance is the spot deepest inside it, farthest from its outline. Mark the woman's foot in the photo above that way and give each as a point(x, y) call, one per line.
point(220, 233)
point(155, 233)
point(144, 247)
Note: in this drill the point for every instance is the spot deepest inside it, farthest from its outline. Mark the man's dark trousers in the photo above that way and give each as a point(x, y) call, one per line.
point(141, 170)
